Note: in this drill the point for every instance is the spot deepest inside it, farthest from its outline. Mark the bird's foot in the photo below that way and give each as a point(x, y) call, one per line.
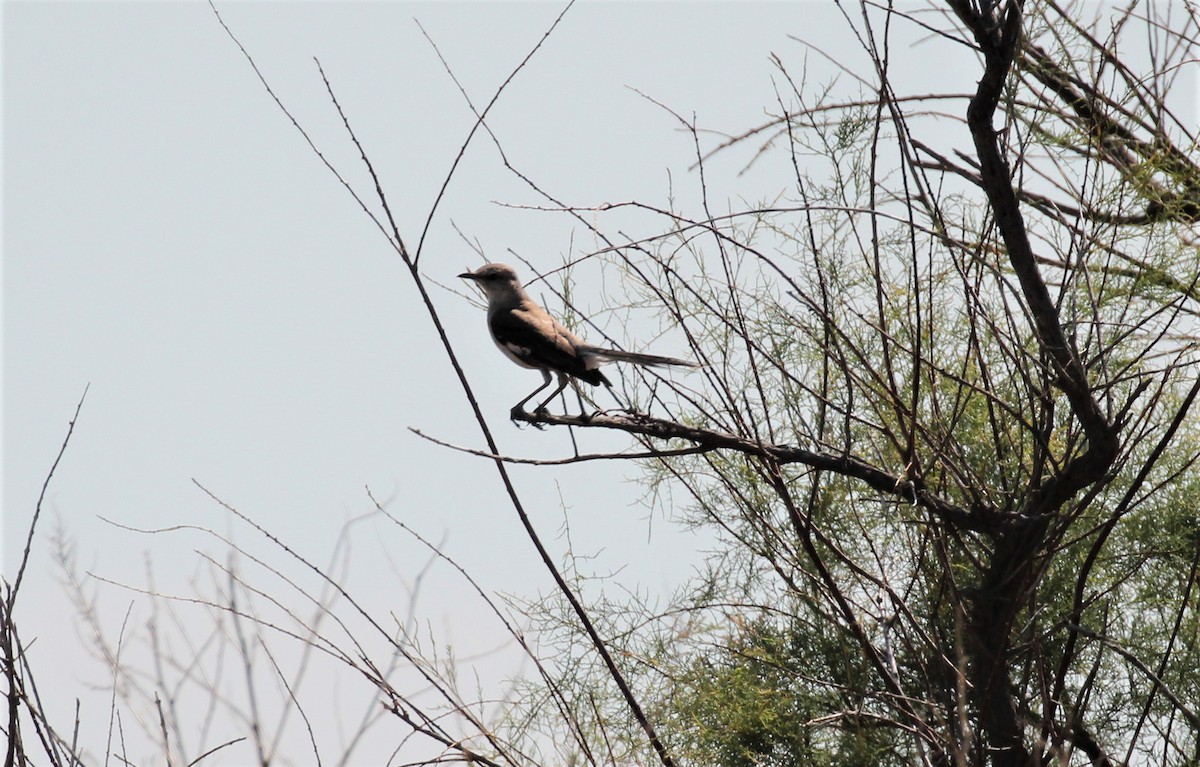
point(520, 417)
point(543, 411)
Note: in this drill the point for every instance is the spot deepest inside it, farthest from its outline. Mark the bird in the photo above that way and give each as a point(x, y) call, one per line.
point(529, 336)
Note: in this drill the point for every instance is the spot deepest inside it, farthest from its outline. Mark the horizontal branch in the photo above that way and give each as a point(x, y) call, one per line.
point(909, 489)
point(577, 458)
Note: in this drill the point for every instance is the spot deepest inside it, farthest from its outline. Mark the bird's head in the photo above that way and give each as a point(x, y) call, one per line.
point(498, 282)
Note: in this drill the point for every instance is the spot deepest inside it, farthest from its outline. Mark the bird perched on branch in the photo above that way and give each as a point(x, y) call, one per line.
point(530, 337)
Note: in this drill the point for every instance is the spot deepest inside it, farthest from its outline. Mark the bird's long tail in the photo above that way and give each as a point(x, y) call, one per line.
point(646, 360)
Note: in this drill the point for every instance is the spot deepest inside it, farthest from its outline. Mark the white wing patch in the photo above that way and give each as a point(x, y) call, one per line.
point(516, 353)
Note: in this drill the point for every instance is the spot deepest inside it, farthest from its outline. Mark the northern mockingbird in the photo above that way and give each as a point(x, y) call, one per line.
point(530, 337)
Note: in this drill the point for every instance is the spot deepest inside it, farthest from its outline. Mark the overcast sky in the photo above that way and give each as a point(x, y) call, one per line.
point(171, 242)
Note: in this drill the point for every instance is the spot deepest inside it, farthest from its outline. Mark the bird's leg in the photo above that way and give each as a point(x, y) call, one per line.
point(563, 380)
point(518, 408)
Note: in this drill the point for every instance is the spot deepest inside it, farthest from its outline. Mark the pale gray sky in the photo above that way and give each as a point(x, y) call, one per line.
point(171, 241)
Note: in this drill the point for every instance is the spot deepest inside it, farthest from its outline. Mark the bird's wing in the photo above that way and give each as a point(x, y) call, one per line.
point(531, 337)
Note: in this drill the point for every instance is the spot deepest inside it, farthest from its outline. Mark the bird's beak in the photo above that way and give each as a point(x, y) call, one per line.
point(468, 276)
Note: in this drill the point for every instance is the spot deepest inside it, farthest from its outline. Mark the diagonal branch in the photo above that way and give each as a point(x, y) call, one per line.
point(901, 486)
point(998, 40)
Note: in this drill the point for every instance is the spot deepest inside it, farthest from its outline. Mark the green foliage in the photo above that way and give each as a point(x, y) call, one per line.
point(875, 316)
point(767, 697)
